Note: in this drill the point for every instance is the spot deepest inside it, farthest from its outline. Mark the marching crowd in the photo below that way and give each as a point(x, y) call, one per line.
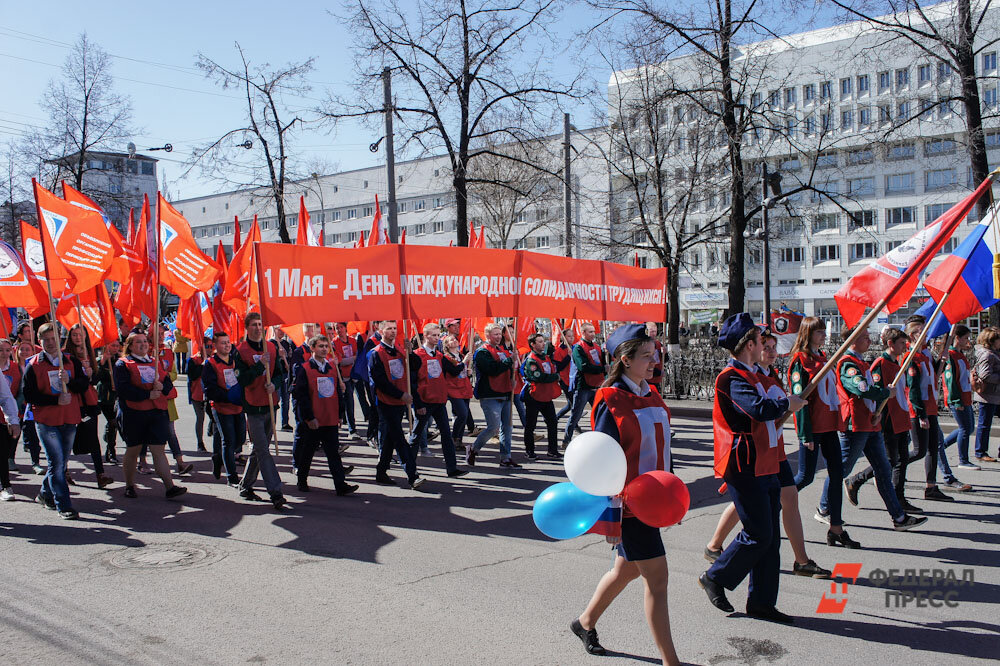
point(335, 382)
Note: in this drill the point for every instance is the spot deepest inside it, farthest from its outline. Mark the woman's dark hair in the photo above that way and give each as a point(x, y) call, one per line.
point(627, 349)
point(807, 327)
point(87, 351)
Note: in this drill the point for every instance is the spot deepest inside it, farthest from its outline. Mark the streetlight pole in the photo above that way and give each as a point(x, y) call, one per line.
point(767, 245)
point(322, 207)
point(390, 154)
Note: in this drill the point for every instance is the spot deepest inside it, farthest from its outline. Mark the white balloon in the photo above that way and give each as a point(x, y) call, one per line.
point(596, 464)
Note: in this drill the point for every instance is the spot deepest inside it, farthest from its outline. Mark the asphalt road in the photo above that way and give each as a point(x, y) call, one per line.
point(457, 574)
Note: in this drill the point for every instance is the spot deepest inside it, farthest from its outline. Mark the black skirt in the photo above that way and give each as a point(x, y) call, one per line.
point(640, 541)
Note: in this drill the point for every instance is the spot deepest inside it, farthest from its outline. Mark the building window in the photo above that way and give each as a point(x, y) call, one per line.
point(845, 88)
point(335, 189)
point(992, 139)
point(863, 251)
point(892, 245)
point(774, 99)
point(902, 151)
point(366, 185)
point(694, 260)
point(943, 107)
point(419, 229)
point(901, 215)
point(438, 227)
point(862, 84)
point(352, 236)
point(902, 78)
point(825, 222)
point(810, 126)
point(825, 90)
point(809, 92)
point(401, 206)
point(753, 256)
point(926, 108)
point(352, 213)
point(899, 182)
point(792, 255)
point(147, 168)
point(990, 97)
point(934, 211)
point(823, 253)
point(990, 61)
point(419, 204)
point(333, 239)
point(884, 81)
point(936, 179)
point(885, 114)
point(437, 172)
point(924, 74)
point(863, 156)
point(944, 71)
point(949, 246)
point(542, 242)
point(519, 244)
point(863, 218)
point(904, 111)
point(824, 121)
point(846, 121)
point(864, 116)
point(336, 216)
point(367, 211)
point(789, 97)
point(826, 159)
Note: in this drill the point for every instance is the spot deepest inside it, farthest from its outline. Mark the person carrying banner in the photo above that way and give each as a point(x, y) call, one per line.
point(143, 390)
point(346, 350)
point(859, 400)
point(284, 388)
point(921, 389)
point(958, 394)
point(459, 388)
point(196, 390)
point(107, 398)
point(562, 356)
point(225, 396)
point(10, 420)
point(317, 387)
point(494, 364)
point(86, 441)
point(255, 359)
point(387, 370)
point(54, 387)
point(746, 457)
point(639, 546)
point(541, 387)
point(589, 361)
point(429, 373)
point(818, 425)
point(790, 518)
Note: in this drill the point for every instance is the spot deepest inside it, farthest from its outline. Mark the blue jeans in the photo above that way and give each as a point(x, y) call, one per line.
point(829, 444)
point(230, 436)
point(352, 386)
point(58, 444)
point(439, 414)
point(519, 406)
point(966, 424)
point(986, 414)
point(497, 412)
point(582, 398)
point(852, 445)
point(283, 395)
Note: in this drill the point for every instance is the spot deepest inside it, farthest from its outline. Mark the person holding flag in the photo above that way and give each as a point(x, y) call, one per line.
point(346, 350)
point(107, 398)
point(225, 396)
point(541, 387)
point(196, 390)
point(494, 365)
point(590, 363)
point(958, 395)
point(255, 360)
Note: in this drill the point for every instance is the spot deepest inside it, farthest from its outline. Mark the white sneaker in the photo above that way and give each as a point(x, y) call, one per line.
point(417, 482)
point(6, 495)
point(969, 465)
point(821, 518)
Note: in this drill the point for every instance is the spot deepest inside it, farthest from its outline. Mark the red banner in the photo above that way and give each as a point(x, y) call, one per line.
point(302, 283)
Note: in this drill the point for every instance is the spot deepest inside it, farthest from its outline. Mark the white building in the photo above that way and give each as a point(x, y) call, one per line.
point(874, 121)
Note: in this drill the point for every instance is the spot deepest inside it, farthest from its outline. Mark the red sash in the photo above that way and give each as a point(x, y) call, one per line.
point(460, 386)
point(824, 403)
point(884, 370)
point(256, 394)
point(595, 356)
point(502, 383)
point(395, 371)
point(220, 369)
point(142, 375)
point(858, 410)
point(547, 391)
point(432, 381)
point(323, 393)
point(53, 415)
point(762, 435)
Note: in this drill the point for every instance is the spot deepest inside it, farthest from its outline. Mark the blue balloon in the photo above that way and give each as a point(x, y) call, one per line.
point(563, 511)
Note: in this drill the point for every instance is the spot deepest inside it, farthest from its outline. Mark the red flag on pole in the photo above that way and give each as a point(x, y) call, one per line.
point(184, 268)
point(402, 237)
point(473, 241)
point(894, 276)
point(119, 271)
point(236, 234)
point(19, 288)
point(305, 235)
point(241, 278)
point(481, 238)
point(378, 235)
point(95, 313)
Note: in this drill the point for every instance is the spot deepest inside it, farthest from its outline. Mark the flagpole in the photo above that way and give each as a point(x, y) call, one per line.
point(255, 260)
point(406, 363)
point(48, 281)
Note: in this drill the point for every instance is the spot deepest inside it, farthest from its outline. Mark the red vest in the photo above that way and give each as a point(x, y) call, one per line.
point(763, 434)
point(142, 375)
point(884, 370)
point(395, 370)
point(432, 381)
point(53, 415)
point(558, 356)
point(658, 363)
point(773, 388)
point(824, 403)
point(256, 394)
point(460, 386)
point(323, 393)
point(927, 388)
point(858, 410)
point(225, 374)
point(544, 392)
point(197, 388)
point(90, 395)
point(643, 429)
point(961, 366)
point(342, 350)
point(595, 355)
point(166, 359)
point(13, 374)
point(502, 383)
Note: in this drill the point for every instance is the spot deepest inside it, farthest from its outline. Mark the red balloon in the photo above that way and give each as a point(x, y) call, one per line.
point(657, 498)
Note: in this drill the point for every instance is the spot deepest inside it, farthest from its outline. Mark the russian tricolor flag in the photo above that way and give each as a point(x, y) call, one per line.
point(966, 275)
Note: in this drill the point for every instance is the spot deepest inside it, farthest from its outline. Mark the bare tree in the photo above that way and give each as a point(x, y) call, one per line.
point(14, 195)
point(84, 114)
point(953, 34)
point(467, 76)
point(256, 155)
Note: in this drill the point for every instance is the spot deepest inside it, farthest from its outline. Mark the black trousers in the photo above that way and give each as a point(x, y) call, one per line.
point(7, 447)
point(327, 438)
point(110, 426)
point(532, 408)
point(898, 449)
point(926, 447)
point(393, 440)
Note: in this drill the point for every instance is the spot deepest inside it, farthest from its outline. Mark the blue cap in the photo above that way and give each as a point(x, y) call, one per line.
point(734, 328)
point(625, 333)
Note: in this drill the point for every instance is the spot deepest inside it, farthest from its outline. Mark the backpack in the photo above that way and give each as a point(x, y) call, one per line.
point(978, 385)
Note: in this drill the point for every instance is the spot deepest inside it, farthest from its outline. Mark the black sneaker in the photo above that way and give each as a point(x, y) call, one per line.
point(554, 456)
point(416, 482)
point(69, 514)
point(531, 455)
point(175, 491)
point(934, 493)
point(233, 481)
point(303, 486)
point(201, 447)
point(249, 495)
point(130, 492)
point(908, 522)
point(455, 473)
point(347, 489)
point(712, 555)
point(47, 502)
point(217, 466)
point(470, 457)
point(589, 638)
point(769, 613)
point(278, 500)
point(909, 508)
point(852, 491)
point(716, 593)
point(348, 469)
point(385, 480)
point(287, 428)
point(810, 569)
point(842, 539)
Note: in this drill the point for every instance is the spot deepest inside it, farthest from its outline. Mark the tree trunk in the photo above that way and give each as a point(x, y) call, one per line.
point(462, 206)
point(737, 219)
point(975, 138)
point(673, 303)
point(282, 220)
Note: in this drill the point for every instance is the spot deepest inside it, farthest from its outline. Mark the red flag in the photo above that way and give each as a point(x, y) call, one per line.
point(378, 233)
point(636, 262)
point(34, 261)
point(357, 328)
point(402, 237)
point(306, 235)
point(241, 278)
point(119, 271)
point(19, 288)
point(222, 315)
point(146, 291)
point(194, 316)
point(361, 239)
point(184, 268)
point(481, 238)
point(451, 243)
point(95, 313)
point(75, 237)
point(526, 326)
point(895, 275)
point(236, 234)
point(473, 241)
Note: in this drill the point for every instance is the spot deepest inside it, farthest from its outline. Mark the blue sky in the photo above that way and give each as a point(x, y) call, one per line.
point(172, 100)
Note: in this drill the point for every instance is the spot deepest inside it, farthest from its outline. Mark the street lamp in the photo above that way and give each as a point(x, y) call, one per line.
point(772, 182)
point(322, 208)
